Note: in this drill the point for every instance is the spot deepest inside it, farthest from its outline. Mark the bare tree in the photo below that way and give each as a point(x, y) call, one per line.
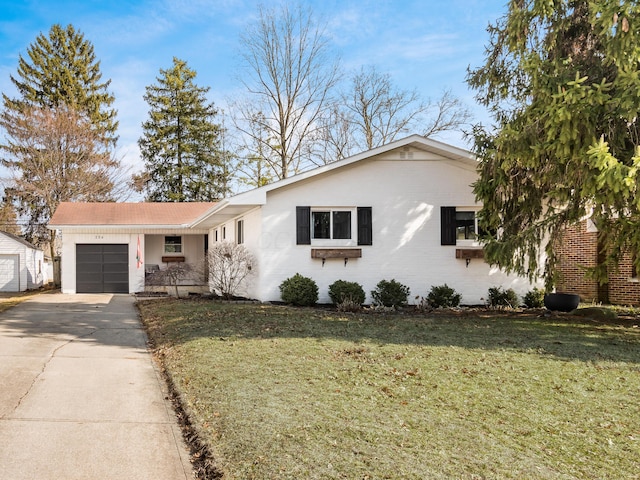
point(377, 112)
point(229, 266)
point(55, 155)
point(289, 75)
point(335, 137)
point(254, 170)
point(447, 113)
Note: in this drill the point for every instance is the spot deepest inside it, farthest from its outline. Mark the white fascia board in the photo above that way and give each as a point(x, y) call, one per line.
point(131, 228)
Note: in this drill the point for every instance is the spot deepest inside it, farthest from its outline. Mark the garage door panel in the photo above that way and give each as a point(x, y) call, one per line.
point(90, 268)
point(9, 273)
point(102, 268)
point(89, 248)
point(119, 287)
point(115, 248)
point(115, 267)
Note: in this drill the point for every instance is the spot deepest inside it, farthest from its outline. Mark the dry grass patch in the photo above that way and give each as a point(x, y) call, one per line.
point(8, 300)
point(285, 393)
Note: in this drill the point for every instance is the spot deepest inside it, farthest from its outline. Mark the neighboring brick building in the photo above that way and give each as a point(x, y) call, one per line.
point(579, 250)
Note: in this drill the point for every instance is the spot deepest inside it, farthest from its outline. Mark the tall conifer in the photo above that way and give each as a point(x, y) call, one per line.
point(61, 69)
point(180, 144)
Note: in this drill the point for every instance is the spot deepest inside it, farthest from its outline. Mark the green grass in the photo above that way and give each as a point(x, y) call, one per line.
point(285, 393)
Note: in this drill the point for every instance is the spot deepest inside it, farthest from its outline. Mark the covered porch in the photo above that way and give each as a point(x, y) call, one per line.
point(175, 262)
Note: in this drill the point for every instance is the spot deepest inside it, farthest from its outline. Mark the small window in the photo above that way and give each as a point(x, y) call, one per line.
point(331, 224)
point(173, 244)
point(466, 226)
point(342, 225)
point(321, 224)
point(216, 235)
point(458, 226)
point(240, 232)
point(224, 233)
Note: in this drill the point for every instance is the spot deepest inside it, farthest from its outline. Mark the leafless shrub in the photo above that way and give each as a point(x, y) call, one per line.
point(229, 265)
point(172, 275)
point(349, 305)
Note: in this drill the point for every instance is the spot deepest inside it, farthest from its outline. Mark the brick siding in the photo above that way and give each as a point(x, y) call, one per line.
point(579, 249)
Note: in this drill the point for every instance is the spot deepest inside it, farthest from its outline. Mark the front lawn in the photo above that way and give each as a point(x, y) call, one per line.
point(288, 393)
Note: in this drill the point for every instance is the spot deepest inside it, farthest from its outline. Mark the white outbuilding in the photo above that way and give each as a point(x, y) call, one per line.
point(22, 264)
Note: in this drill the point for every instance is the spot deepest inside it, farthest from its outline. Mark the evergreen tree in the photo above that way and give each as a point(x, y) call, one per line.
point(561, 80)
point(60, 131)
point(9, 219)
point(181, 143)
point(61, 69)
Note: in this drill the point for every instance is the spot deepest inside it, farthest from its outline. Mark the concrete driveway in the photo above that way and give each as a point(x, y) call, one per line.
point(80, 397)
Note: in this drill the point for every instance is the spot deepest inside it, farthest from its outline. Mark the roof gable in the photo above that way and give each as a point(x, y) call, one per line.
point(414, 147)
point(19, 240)
point(436, 149)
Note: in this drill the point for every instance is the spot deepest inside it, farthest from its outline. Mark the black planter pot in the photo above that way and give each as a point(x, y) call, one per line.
point(561, 302)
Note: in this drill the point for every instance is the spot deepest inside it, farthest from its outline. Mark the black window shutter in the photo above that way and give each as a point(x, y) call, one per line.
point(365, 226)
point(447, 225)
point(303, 225)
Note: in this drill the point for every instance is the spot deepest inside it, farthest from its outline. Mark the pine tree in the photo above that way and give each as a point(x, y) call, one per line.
point(181, 143)
point(61, 69)
point(561, 82)
point(9, 219)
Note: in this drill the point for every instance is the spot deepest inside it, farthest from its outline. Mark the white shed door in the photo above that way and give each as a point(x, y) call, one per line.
point(9, 273)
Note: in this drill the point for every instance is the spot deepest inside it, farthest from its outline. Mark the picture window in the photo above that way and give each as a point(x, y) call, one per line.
point(334, 224)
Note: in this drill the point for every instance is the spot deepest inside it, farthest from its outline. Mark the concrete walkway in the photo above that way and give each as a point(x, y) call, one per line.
point(80, 397)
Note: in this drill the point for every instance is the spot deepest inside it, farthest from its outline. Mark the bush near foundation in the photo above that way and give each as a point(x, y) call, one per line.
point(299, 290)
point(390, 293)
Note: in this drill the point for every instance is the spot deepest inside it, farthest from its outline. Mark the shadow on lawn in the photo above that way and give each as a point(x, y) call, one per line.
point(564, 337)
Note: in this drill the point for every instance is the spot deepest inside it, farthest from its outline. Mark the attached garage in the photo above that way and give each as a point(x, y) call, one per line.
point(103, 248)
point(102, 268)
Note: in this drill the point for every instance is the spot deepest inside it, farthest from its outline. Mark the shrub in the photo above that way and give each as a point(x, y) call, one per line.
point(443, 296)
point(348, 305)
point(230, 265)
point(341, 290)
point(390, 293)
point(499, 297)
point(534, 298)
point(299, 290)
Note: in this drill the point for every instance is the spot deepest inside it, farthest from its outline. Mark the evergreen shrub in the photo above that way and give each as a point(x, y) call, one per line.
point(390, 293)
point(341, 290)
point(299, 290)
point(443, 296)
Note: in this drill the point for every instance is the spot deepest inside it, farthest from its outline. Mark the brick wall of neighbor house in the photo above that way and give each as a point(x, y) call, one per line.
point(623, 289)
point(578, 249)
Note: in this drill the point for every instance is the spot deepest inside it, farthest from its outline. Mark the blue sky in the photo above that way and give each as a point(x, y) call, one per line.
point(425, 45)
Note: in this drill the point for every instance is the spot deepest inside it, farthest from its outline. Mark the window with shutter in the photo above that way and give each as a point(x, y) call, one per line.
point(458, 226)
point(343, 227)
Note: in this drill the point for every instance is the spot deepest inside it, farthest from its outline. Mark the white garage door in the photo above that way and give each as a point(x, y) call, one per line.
point(9, 273)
